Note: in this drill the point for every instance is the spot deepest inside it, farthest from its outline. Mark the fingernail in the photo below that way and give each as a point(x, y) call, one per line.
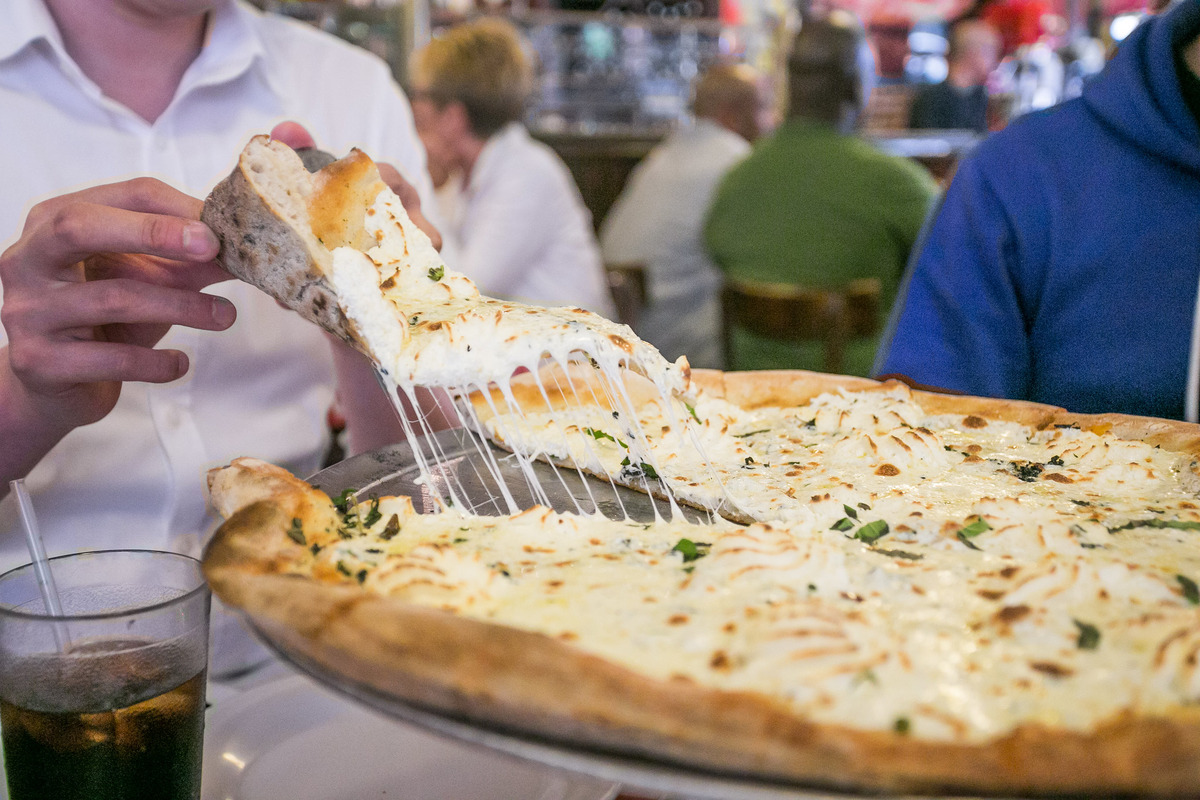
point(223, 312)
point(199, 240)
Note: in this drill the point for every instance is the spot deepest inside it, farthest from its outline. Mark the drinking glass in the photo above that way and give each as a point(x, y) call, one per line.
point(106, 701)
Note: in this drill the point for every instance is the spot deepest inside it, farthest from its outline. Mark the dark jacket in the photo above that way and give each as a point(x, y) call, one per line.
point(1063, 264)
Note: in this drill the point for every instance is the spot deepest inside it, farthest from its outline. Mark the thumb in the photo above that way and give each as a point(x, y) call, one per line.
point(293, 134)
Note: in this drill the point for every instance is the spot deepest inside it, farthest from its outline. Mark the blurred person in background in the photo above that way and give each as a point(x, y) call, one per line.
point(121, 382)
point(657, 219)
point(814, 205)
point(960, 101)
point(1064, 262)
point(519, 226)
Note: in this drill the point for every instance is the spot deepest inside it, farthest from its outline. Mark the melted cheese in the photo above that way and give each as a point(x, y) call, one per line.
point(962, 593)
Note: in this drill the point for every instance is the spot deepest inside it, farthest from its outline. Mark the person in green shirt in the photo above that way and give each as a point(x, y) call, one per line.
point(815, 205)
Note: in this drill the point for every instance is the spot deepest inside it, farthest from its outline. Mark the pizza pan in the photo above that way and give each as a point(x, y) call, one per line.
point(393, 471)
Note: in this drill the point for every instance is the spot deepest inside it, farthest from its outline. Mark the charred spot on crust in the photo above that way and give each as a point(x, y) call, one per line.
point(1051, 669)
point(888, 470)
point(621, 343)
point(1057, 477)
point(973, 421)
point(389, 283)
point(1011, 614)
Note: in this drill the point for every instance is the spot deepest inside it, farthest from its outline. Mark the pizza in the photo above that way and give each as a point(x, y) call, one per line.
point(886, 590)
point(338, 247)
point(1013, 608)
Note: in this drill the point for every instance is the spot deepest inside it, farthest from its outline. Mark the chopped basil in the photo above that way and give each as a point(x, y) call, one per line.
point(392, 527)
point(965, 540)
point(974, 529)
point(361, 576)
point(872, 531)
point(342, 501)
point(902, 726)
point(1056, 461)
point(633, 471)
point(437, 273)
point(1027, 471)
point(342, 568)
point(864, 506)
point(373, 514)
point(296, 533)
point(596, 434)
point(843, 524)
point(1089, 636)
point(692, 410)
point(314, 548)
point(851, 511)
point(751, 433)
point(691, 550)
point(898, 554)
point(1190, 590)
point(749, 460)
point(1178, 524)
point(459, 540)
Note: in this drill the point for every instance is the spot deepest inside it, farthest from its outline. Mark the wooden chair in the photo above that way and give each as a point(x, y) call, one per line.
point(627, 282)
point(798, 314)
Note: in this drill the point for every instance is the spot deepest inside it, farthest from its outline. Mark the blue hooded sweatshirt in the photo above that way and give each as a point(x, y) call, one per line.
point(1064, 261)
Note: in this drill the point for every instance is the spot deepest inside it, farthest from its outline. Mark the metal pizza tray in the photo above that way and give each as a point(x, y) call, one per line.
point(392, 471)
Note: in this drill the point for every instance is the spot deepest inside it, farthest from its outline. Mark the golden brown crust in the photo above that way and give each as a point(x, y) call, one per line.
point(533, 683)
point(529, 682)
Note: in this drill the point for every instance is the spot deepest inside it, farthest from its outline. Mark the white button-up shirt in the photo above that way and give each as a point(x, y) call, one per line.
point(262, 388)
point(520, 229)
point(657, 221)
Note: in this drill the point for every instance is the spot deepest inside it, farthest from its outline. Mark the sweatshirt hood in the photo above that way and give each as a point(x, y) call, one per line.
point(1138, 93)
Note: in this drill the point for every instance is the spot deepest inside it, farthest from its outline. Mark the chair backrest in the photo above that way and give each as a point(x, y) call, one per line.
point(627, 282)
point(795, 314)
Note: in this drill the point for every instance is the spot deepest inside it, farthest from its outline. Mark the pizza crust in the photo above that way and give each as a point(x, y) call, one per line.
point(541, 686)
point(534, 684)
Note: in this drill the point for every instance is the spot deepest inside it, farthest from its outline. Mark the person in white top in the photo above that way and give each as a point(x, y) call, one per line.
point(121, 383)
point(657, 219)
point(517, 223)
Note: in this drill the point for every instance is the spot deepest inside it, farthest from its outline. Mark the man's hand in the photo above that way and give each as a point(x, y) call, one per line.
point(95, 280)
point(297, 137)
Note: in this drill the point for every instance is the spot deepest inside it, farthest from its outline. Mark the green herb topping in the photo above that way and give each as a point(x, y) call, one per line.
point(296, 532)
point(1190, 590)
point(691, 550)
point(596, 434)
point(437, 273)
point(373, 514)
point(872, 531)
point(1089, 636)
point(391, 528)
point(1177, 524)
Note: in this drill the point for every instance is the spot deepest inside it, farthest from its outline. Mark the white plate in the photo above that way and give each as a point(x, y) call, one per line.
point(292, 740)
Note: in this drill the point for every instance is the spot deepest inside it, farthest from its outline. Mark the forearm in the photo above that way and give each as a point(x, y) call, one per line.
point(28, 427)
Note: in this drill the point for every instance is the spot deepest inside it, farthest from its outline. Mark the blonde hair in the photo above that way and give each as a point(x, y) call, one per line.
point(481, 64)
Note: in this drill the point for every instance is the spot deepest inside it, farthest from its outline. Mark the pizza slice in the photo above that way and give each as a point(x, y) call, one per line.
point(338, 247)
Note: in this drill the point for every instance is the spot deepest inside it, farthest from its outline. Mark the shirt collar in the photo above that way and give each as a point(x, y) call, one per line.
point(27, 22)
point(233, 43)
point(232, 47)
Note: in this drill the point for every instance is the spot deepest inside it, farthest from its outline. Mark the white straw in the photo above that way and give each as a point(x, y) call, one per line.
point(41, 566)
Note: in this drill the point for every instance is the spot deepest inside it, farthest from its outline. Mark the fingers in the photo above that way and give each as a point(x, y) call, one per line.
point(123, 301)
point(411, 200)
point(73, 231)
point(70, 364)
point(293, 134)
